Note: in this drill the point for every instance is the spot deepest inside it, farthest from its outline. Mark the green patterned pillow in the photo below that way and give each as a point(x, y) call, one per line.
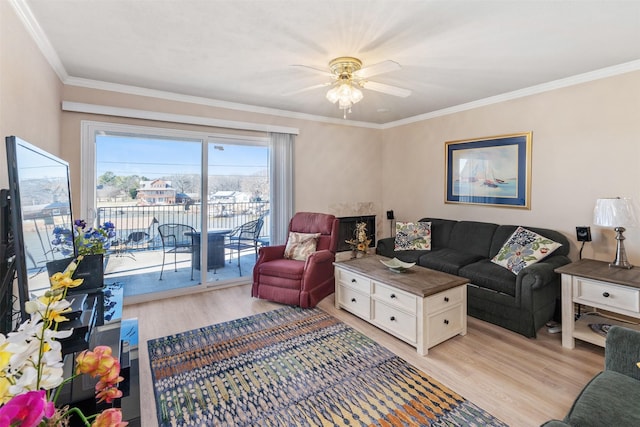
point(301, 245)
point(413, 236)
point(523, 249)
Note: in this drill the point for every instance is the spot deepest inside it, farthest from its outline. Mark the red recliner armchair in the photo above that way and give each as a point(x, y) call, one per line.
point(293, 282)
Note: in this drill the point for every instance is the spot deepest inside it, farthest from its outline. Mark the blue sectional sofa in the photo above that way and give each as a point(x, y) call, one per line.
point(522, 303)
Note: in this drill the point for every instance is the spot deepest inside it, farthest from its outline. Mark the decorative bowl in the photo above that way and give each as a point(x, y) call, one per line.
point(396, 265)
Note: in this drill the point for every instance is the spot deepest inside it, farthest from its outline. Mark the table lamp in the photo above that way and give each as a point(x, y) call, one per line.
point(618, 213)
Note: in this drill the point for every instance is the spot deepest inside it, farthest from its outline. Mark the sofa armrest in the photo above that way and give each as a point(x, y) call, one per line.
point(622, 351)
point(555, 423)
point(542, 273)
point(386, 247)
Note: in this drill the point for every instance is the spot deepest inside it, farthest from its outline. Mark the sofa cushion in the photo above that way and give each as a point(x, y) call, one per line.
point(440, 231)
point(300, 245)
point(488, 275)
point(524, 248)
point(472, 237)
point(447, 260)
point(610, 398)
point(412, 236)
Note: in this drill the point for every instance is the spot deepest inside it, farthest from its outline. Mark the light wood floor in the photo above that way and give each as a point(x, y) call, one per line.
point(522, 381)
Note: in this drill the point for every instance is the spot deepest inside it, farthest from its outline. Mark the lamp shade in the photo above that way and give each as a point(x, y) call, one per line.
point(615, 212)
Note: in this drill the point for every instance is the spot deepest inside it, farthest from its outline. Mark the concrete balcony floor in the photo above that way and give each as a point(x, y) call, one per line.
point(139, 271)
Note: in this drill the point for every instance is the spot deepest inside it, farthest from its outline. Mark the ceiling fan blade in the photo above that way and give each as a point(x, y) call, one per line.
point(391, 90)
point(295, 92)
point(379, 68)
point(316, 70)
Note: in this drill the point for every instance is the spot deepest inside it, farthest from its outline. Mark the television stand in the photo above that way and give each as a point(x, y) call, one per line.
point(122, 336)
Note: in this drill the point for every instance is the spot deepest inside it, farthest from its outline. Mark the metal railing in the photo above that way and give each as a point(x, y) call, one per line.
point(137, 226)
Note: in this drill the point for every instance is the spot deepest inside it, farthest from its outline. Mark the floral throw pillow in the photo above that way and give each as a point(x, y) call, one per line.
point(523, 249)
point(413, 236)
point(301, 245)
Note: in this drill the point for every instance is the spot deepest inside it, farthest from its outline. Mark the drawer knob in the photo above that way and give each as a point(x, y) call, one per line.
point(393, 296)
point(605, 294)
point(446, 299)
point(353, 300)
point(353, 280)
point(446, 322)
point(392, 318)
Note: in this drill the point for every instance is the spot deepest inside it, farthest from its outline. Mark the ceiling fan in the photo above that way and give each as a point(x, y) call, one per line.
point(349, 77)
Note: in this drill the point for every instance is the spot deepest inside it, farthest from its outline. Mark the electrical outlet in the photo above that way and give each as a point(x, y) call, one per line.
point(583, 234)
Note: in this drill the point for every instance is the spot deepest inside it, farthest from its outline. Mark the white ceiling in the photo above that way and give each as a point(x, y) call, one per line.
point(242, 51)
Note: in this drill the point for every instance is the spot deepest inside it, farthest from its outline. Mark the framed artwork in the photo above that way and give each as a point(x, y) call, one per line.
point(494, 171)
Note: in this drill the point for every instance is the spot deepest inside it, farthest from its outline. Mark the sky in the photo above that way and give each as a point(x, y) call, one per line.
point(156, 158)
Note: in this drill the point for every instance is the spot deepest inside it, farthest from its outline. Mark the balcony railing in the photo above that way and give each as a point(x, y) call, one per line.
point(137, 226)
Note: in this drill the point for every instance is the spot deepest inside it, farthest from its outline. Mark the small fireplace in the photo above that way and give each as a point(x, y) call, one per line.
point(347, 227)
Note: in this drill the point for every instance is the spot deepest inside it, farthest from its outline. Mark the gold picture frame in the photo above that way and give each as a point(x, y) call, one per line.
point(492, 171)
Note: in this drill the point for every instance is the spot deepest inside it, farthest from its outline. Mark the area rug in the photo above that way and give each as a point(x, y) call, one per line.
point(295, 367)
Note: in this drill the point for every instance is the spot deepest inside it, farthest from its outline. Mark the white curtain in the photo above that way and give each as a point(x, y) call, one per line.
point(281, 164)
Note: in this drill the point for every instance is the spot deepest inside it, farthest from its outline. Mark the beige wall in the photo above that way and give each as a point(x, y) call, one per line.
point(30, 91)
point(585, 146)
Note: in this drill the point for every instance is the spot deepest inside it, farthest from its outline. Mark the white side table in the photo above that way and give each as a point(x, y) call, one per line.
point(595, 284)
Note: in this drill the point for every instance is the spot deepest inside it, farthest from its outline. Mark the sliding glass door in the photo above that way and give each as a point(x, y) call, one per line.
point(189, 209)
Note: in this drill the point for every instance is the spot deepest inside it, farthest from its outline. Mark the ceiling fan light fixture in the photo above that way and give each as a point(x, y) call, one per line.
point(345, 94)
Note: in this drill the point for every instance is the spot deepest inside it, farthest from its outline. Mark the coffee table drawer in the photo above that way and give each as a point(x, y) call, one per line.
point(445, 299)
point(394, 297)
point(353, 280)
point(445, 325)
point(399, 323)
point(356, 302)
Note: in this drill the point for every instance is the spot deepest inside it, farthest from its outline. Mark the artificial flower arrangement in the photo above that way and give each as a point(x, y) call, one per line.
point(31, 365)
point(86, 239)
point(360, 241)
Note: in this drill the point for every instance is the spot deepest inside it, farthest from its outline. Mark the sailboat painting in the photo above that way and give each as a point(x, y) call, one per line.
point(493, 171)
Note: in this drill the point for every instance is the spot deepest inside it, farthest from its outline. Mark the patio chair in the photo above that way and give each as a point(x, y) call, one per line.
point(176, 238)
point(244, 237)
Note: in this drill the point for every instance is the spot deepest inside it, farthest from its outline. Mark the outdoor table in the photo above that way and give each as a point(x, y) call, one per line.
point(215, 247)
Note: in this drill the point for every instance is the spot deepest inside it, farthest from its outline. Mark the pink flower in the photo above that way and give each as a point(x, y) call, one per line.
point(107, 392)
point(28, 408)
point(109, 418)
point(86, 362)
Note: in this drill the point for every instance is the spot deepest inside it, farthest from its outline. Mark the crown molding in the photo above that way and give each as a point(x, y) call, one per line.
point(37, 34)
point(532, 90)
point(602, 73)
point(172, 96)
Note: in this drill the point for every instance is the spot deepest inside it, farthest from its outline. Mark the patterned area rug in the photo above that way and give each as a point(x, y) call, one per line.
point(295, 367)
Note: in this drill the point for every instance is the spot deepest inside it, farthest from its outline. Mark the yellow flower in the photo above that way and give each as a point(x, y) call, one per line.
point(64, 280)
point(4, 390)
point(4, 356)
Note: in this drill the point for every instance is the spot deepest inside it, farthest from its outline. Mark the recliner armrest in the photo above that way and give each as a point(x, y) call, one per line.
point(269, 253)
point(318, 269)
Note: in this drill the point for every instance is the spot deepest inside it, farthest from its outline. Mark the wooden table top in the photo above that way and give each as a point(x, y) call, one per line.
point(417, 280)
point(600, 270)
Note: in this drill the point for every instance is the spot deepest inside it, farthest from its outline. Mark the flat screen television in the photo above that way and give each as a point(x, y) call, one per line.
point(40, 200)
point(7, 265)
